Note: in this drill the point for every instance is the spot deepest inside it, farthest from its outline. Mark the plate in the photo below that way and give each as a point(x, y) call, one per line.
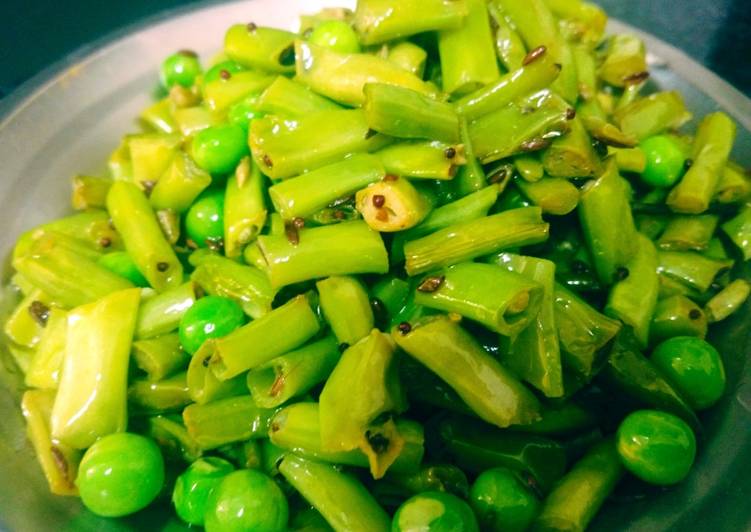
point(69, 118)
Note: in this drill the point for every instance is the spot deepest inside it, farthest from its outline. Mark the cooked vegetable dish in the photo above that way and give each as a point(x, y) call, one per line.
point(431, 265)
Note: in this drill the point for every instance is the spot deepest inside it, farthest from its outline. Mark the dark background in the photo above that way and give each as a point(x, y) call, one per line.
point(35, 33)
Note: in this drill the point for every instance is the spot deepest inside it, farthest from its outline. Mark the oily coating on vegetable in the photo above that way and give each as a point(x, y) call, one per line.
point(436, 264)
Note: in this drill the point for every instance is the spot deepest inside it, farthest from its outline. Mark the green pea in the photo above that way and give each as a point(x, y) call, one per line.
point(218, 149)
point(180, 69)
point(247, 500)
point(692, 366)
point(195, 485)
point(657, 447)
point(214, 72)
point(434, 511)
point(244, 111)
point(501, 502)
point(209, 317)
point(120, 474)
point(665, 161)
point(337, 35)
point(204, 222)
point(123, 265)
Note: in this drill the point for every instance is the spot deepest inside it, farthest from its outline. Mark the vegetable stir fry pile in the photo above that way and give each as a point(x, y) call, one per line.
point(429, 265)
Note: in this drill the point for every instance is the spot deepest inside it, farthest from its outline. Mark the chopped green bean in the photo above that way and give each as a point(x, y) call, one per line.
point(677, 315)
point(346, 306)
point(304, 195)
point(293, 374)
point(470, 239)
point(342, 77)
point(488, 388)
point(729, 300)
point(712, 144)
point(378, 21)
point(225, 421)
point(160, 357)
point(91, 397)
point(341, 249)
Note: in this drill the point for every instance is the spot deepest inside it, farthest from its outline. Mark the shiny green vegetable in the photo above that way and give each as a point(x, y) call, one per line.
point(261, 340)
point(535, 353)
point(193, 488)
point(554, 195)
point(297, 428)
point(225, 421)
point(633, 376)
point(349, 422)
point(246, 500)
point(341, 249)
point(204, 222)
point(688, 233)
point(738, 230)
point(120, 263)
point(607, 223)
point(342, 77)
point(511, 129)
point(346, 307)
point(405, 113)
point(580, 494)
point(91, 397)
point(477, 447)
point(285, 97)
point(260, 47)
point(501, 502)
point(503, 301)
point(180, 68)
point(244, 207)
point(161, 313)
point(425, 160)
point(167, 395)
point(136, 221)
point(728, 301)
point(286, 148)
point(652, 115)
point(665, 161)
point(467, 240)
point(583, 332)
point(657, 447)
point(340, 498)
point(467, 56)
point(209, 317)
point(304, 195)
point(392, 205)
point(709, 155)
point(434, 511)
point(247, 286)
point(488, 388)
point(633, 299)
point(337, 35)
point(120, 474)
point(218, 149)
point(378, 21)
point(677, 315)
point(293, 374)
point(693, 367)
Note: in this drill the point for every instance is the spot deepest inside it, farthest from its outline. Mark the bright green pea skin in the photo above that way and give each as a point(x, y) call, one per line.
point(204, 222)
point(694, 367)
point(209, 317)
point(195, 485)
point(181, 68)
point(501, 502)
point(214, 72)
point(120, 474)
point(655, 446)
point(336, 35)
point(244, 111)
point(434, 511)
point(122, 264)
point(665, 161)
point(218, 149)
point(247, 500)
